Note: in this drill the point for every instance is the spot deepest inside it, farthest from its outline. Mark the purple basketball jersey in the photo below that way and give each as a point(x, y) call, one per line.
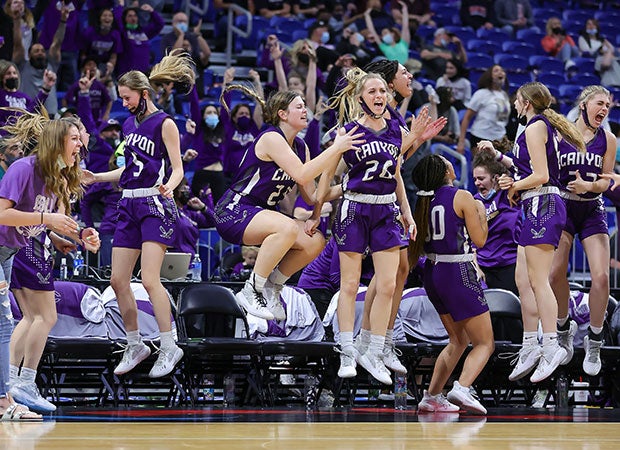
point(522, 159)
point(264, 183)
point(588, 163)
point(372, 168)
point(447, 232)
point(146, 156)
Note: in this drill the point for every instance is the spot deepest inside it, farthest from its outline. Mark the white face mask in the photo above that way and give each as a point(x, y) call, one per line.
point(61, 162)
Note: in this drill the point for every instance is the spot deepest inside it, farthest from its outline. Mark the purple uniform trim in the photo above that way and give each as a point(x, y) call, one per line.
point(544, 220)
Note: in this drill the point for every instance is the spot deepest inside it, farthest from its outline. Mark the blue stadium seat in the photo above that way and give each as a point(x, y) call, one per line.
point(614, 115)
point(426, 32)
point(546, 64)
point(299, 34)
point(583, 65)
point(479, 61)
point(530, 35)
point(483, 46)
point(511, 63)
point(544, 12)
point(519, 78)
point(493, 34)
point(464, 33)
point(569, 92)
point(474, 76)
point(577, 15)
point(551, 79)
point(289, 26)
point(607, 15)
point(585, 79)
point(518, 48)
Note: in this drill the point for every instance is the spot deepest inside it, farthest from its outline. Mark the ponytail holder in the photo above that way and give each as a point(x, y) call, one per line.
point(426, 193)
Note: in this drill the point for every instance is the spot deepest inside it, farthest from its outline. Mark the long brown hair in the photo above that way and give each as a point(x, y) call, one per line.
point(64, 183)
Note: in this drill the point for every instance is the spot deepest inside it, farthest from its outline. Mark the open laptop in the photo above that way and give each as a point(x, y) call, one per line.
point(175, 266)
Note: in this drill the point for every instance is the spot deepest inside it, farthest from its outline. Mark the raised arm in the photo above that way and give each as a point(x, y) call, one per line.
point(371, 26)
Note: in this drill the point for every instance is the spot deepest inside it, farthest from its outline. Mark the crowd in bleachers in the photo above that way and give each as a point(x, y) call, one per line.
point(467, 58)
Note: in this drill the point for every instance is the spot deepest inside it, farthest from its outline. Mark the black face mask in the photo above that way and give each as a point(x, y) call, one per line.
point(11, 83)
point(38, 63)
point(113, 142)
point(141, 109)
point(303, 58)
point(558, 30)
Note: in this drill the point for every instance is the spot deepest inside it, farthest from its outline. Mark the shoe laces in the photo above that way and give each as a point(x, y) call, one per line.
point(517, 357)
point(348, 358)
point(125, 349)
point(259, 297)
point(391, 350)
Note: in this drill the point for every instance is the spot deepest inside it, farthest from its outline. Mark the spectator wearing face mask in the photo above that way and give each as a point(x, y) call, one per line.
point(135, 37)
point(205, 137)
point(319, 38)
point(445, 46)
point(557, 43)
point(193, 215)
point(190, 39)
point(393, 43)
point(12, 97)
point(241, 125)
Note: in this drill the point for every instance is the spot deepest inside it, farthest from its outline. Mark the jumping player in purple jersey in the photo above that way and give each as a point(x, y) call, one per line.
point(32, 189)
point(247, 213)
point(147, 213)
point(581, 190)
point(536, 179)
point(369, 215)
point(449, 220)
point(398, 80)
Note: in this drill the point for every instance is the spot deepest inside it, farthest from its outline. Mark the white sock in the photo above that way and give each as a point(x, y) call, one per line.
point(596, 330)
point(389, 338)
point(166, 340)
point(277, 277)
point(364, 339)
point(346, 340)
point(256, 281)
point(133, 337)
point(377, 342)
point(530, 338)
point(27, 375)
point(550, 340)
point(13, 373)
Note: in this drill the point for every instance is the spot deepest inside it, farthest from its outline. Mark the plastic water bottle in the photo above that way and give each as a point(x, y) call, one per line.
point(310, 391)
point(561, 392)
point(209, 392)
point(78, 264)
point(229, 390)
point(400, 392)
point(63, 269)
point(196, 268)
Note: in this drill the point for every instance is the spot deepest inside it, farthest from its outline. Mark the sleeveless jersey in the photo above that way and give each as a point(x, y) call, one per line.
point(146, 157)
point(264, 183)
point(522, 159)
point(372, 168)
point(589, 164)
point(447, 234)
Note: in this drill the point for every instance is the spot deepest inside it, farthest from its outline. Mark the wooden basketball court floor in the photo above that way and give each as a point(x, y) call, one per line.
point(334, 429)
